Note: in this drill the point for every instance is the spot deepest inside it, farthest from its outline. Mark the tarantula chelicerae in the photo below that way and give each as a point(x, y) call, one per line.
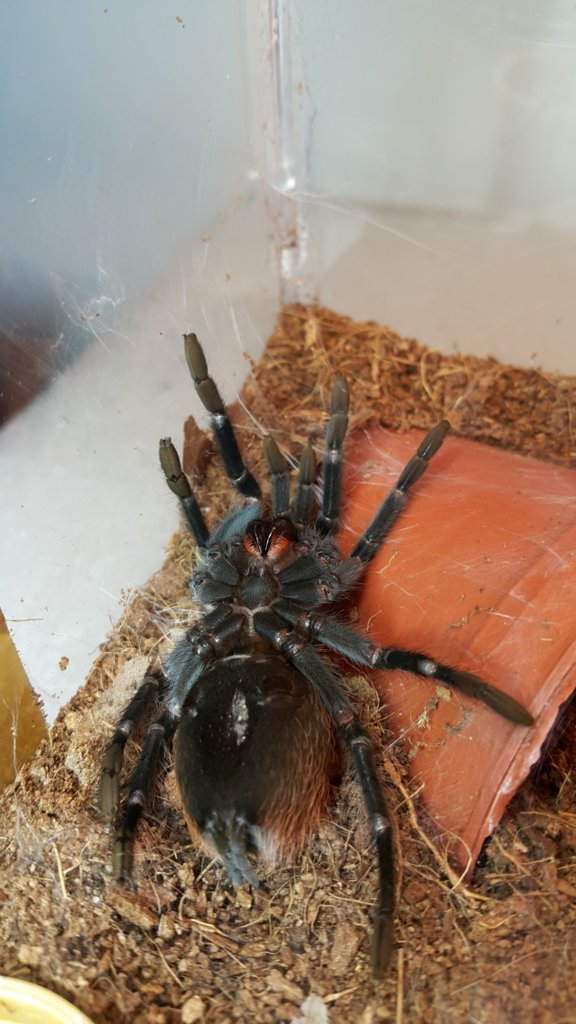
point(256, 712)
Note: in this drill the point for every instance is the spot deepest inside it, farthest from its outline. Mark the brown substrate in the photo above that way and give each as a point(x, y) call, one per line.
point(184, 945)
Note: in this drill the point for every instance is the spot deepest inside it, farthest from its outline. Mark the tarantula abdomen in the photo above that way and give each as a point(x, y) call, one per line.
point(255, 755)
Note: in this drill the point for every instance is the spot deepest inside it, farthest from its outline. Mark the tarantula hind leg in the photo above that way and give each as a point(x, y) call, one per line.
point(360, 747)
point(147, 693)
point(338, 636)
point(466, 682)
point(357, 742)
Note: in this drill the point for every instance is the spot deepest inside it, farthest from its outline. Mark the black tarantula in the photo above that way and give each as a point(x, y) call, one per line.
point(256, 712)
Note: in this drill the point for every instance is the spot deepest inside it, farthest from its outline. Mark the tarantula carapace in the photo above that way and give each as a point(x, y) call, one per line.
point(255, 710)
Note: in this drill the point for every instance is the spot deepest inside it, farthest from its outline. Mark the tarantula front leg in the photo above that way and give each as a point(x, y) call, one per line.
point(223, 430)
point(280, 490)
point(303, 499)
point(180, 486)
point(342, 639)
point(327, 685)
point(369, 543)
point(332, 470)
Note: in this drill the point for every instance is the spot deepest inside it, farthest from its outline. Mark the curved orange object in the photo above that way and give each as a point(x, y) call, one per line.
point(479, 572)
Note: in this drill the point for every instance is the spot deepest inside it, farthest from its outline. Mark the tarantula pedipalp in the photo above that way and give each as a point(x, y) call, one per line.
point(256, 712)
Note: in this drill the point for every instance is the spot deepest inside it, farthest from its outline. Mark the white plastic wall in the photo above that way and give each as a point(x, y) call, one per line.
point(132, 210)
point(442, 153)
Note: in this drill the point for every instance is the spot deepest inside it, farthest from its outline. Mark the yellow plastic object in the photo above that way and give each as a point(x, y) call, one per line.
point(22, 724)
point(24, 1003)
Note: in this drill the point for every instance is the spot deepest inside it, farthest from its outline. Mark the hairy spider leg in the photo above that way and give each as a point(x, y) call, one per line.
point(303, 500)
point(222, 428)
point(280, 489)
point(215, 634)
point(360, 746)
point(333, 465)
point(343, 640)
point(157, 737)
point(157, 734)
point(326, 685)
point(180, 486)
point(394, 503)
point(147, 693)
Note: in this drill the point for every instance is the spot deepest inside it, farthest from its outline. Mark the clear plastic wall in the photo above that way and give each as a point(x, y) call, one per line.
point(165, 170)
point(442, 156)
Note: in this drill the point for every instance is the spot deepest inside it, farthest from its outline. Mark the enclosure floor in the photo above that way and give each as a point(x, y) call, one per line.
point(183, 945)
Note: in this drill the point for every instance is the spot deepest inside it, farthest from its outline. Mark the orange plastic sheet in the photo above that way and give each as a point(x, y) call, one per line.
point(479, 572)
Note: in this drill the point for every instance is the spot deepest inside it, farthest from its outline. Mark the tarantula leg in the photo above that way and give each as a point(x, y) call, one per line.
point(179, 485)
point(360, 747)
point(344, 640)
point(327, 686)
point(327, 521)
point(223, 430)
point(465, 682)
point(213, 638)
point(280, 479)
point(304, 493)
point(157, 736)
point(184, 667)
point(395, 501)
point(114, 754)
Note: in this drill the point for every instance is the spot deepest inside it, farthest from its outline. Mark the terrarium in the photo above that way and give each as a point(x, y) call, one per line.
point(383, 192)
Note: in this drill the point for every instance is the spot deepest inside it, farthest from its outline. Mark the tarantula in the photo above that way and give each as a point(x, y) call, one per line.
point(256, 713)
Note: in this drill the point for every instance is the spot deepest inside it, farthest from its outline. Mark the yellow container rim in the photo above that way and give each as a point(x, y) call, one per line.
point(21, 1002)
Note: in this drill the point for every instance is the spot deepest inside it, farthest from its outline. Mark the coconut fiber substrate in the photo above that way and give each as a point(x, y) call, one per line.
point(183, 945)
